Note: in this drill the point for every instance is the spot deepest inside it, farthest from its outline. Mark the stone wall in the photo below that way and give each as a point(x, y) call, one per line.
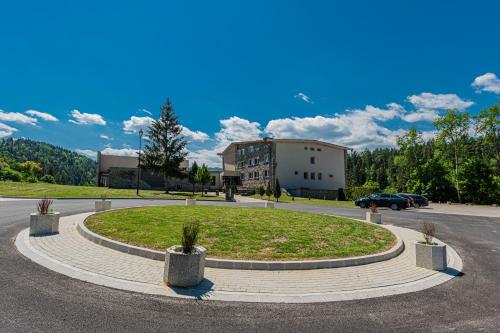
point(127, 178)
point(252, 151)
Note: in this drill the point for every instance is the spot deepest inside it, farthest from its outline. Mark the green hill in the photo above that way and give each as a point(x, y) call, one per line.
point(67, 167)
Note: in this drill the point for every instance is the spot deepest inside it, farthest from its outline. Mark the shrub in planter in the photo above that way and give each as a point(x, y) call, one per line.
point(103, 204)
point(44, 221)
point(373, 215)
point(185, 264)
point(429, 254)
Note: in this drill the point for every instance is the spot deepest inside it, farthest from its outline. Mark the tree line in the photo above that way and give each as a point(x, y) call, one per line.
point(32, 161)
point(460, 164)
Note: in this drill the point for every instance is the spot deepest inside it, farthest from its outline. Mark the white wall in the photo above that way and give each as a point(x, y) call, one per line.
point(291, 157)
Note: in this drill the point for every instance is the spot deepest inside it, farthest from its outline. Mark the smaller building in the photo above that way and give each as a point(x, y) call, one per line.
point(121, 172)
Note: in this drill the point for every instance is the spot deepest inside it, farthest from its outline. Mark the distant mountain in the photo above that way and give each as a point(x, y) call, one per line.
point(66, 166)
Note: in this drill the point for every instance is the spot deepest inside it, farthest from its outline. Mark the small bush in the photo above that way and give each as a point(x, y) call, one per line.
point(10, 174)
point(43, 206)
point(189, 236)
point(31, 179)
point(48, 179)
point(428, 231)
point(261, 191)
point(390, 189)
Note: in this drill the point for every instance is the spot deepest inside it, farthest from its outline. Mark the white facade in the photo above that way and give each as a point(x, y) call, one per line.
point(310, 165)
point(300, 166)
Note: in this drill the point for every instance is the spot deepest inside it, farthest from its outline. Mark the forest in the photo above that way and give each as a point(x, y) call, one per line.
point(32, 161)
point(460, 164)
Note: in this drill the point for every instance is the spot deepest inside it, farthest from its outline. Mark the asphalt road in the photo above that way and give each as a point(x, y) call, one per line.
point(35, 299)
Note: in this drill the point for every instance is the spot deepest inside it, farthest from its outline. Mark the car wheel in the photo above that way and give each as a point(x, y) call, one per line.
point(362, 205)
point(394, 206)
point(416, 205)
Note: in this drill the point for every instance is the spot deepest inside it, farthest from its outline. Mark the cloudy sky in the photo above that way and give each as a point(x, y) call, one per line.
point(88, 76)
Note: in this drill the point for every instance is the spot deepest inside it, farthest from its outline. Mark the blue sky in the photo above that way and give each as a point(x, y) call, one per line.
point(353, 73)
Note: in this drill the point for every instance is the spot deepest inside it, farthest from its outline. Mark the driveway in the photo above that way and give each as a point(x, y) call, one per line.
point(34, 299)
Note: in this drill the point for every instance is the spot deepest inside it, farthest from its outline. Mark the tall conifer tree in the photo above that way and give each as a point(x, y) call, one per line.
point(166, 148)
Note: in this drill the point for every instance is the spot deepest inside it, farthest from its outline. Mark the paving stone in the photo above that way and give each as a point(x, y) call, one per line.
point(71, 254)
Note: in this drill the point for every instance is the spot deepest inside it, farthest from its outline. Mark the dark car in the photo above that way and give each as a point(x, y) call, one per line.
point(392, 201)
point(416, 200)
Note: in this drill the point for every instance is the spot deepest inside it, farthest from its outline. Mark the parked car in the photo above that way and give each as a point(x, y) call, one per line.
point(392, 201)
point(416, 200)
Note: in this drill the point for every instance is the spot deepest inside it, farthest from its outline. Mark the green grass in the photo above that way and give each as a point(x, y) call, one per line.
point(306, 201)
point(245, 233)
point(38, 190)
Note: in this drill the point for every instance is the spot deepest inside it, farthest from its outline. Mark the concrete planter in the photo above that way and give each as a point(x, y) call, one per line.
point(190, 202)
point(430, 256)
point(184, 270)
point(269, 204)
point(43, 224)
point(102, 205)
point(374, 217)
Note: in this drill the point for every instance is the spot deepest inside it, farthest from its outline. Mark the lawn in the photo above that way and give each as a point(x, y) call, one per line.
point(39, 190)
point(245, 233)
point(306, 201)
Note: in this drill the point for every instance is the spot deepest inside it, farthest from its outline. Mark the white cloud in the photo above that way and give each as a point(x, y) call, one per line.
point(430, 101)
point(207, 156)
point(195, 135)
point(6, 130)
point(420, 115)
point(304, 97)
point(120, 152)
point(105, 137)
point(134, 124)
point(17, 117)
point(87, 152)
point(358, 128)
point(237, 129)
point(232, 129)
point(42, 115)
point(86, 118)
point(146, 111)
point(488, 82)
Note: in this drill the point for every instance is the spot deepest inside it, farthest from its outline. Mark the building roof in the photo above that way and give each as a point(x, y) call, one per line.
point(323, 143)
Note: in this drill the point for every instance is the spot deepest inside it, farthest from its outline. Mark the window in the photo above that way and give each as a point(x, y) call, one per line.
point(313, 160)
point(305, 148)
point(311, 148)
point(249, 162)
point(256, 161)
point(305, 175)
point(313, 175)
point(256, 175)
point(330, 175)
point(296, 172)
point(250, 149)
point(320, 176)
point(266, 159)
point(250, 175)
point(266, 173)
point(212, 181)
point(318, 149)
point(242, 176)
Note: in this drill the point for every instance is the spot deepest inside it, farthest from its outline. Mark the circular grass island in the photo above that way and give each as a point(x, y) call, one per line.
point(245, 233)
